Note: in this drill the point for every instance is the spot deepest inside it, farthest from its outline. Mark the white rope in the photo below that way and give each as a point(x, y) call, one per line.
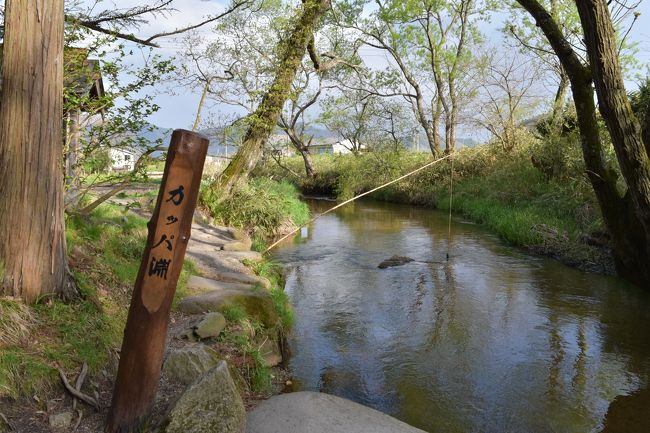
point(357, 197)
point(451, 195)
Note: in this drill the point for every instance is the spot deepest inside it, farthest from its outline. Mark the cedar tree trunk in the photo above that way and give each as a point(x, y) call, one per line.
point(32, 238)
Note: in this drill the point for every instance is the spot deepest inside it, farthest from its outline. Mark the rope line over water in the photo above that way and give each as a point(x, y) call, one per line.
point(451, 196)
point(357, 197)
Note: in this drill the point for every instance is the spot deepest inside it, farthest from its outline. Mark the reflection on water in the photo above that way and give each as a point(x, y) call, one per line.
point(491, 341)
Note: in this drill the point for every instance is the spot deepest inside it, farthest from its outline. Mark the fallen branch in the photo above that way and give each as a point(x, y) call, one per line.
point(6, 421)
point(76, 425)
point(78, 394)
point(79, 383)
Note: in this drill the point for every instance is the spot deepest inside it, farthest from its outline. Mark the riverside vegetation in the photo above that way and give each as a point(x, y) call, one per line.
point(535, 195)
point(105, 247)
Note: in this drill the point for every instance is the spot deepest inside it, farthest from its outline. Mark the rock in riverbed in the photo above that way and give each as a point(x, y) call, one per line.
point(394, 261)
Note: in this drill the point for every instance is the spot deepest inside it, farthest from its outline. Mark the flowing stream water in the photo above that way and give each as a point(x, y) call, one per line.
point(493, 340)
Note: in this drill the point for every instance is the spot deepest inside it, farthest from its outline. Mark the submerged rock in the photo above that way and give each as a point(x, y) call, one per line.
point(187, 364)
point(394, 261)
point(211, 405)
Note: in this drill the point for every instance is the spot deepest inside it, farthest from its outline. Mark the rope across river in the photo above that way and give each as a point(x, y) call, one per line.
point(361, 195)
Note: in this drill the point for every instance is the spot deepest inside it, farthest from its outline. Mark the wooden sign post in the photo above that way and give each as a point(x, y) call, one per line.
point(146, 326)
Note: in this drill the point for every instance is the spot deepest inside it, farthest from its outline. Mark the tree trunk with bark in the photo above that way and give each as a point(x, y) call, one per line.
point(298, 142)
point(626, 216)
point(623, 126)
point(74, 134)
point(309, 165)
point(265, 118)
point(558, 102)
point(32, 238)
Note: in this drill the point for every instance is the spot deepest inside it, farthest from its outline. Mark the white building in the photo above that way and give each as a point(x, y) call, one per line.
point(122, 159)
point(342, 147)
point(280, 144)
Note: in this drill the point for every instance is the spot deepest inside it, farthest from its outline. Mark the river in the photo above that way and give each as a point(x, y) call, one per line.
point(491, 340)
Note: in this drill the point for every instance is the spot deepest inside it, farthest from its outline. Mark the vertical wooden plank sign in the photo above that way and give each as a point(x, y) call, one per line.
point(146, 326)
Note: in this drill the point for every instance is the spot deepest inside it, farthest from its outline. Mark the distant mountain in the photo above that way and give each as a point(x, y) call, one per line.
point(218, 147)
point(156, 133)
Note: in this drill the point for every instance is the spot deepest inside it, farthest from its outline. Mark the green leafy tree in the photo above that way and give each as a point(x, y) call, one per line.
point(264, 119)
point(626, 213)
point(431, 45)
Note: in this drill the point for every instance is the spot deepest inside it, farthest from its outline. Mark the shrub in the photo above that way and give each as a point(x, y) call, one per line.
point(262, 207)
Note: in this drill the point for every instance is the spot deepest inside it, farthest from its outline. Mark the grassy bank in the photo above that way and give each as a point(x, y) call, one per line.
point(35, 341)
point(104, 252)
point(264, 208)
point(245, 337)
point(547, 206)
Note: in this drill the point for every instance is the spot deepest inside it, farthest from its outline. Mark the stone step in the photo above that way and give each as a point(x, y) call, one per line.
point(257, 303)
point(237, 277)
point(206, 284)
point(244, 255)
point(238, 246)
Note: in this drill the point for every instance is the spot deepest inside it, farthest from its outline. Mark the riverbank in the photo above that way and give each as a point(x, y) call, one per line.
point(39, 342)
point(263, 208)
point(550, 214)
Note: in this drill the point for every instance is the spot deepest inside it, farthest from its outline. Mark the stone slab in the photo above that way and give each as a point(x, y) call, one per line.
point(313, 412)
point(199, 283)
point(257, 303)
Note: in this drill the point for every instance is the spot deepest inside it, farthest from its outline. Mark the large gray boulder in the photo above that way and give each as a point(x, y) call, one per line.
point(257, 303)
point(188, 363)
point(313, 412)
point(211, 405)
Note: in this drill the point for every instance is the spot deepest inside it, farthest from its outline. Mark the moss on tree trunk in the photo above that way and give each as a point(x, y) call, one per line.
point(265, 118)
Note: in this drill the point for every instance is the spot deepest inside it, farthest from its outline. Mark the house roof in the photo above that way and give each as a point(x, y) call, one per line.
point(80, 74)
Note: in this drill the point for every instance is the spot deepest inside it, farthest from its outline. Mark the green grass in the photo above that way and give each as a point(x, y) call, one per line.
point(263, 208)
point(260, 376)
point(272, 271)
point(502, 190)
point(104, 251)
point(234, 313)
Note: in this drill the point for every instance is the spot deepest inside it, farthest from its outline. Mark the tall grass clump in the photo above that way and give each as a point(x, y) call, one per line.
point(264, 208)
point(535, 194)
